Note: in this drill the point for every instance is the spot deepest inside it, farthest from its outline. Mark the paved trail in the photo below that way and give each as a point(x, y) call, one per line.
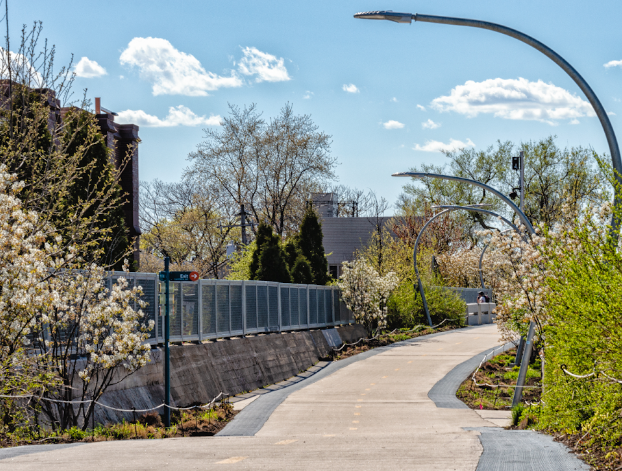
point(372, 414)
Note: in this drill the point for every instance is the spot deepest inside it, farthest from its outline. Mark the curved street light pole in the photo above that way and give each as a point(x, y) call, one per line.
point(522, 374)
point(495, 192)
point(447, 209)
point(547, 51)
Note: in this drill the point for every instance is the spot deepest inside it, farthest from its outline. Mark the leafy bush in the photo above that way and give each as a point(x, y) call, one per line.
point(517, 412)
point(406, 306)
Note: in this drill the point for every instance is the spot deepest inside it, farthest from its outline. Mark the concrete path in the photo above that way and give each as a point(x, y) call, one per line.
point(371, 414)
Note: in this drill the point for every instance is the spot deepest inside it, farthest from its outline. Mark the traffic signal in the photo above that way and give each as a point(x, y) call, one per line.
point(515, 163)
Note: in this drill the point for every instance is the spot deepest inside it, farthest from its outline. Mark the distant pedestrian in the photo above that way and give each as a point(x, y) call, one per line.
point(482, 298)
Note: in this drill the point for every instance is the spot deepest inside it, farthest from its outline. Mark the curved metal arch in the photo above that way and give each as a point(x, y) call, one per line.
point(448, 209)
point(495, 192)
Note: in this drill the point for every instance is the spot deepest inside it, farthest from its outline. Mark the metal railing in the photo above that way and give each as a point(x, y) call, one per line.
point(209, 309)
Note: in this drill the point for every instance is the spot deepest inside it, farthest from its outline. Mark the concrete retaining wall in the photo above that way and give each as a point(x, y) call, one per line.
point(200, 372)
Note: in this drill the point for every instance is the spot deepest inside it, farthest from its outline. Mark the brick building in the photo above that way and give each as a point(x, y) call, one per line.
point(120, 138)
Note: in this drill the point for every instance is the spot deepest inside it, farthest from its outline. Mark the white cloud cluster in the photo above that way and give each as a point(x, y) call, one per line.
point(429, 124)
point(265, 66)
point(391, 124)
point(394, 100)
point(307, 95)
point(613, 64)
point(351, 88)
point(171, 71)
point(514, 99)
point(421, 107)
point(86, 68)
point(177, 116)
point(437, 146)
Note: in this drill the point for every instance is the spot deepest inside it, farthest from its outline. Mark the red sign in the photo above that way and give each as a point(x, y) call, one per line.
point(194, 276)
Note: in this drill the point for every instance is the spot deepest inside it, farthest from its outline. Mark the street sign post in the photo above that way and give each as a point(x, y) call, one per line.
point(167, 276)
point(180, 276)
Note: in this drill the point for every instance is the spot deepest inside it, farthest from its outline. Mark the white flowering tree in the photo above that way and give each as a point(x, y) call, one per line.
point(365, 293)
point(63, 334)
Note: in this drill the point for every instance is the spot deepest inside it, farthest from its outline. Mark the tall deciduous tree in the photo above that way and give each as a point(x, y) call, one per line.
point(554, 177)
point(269, 166)
point(187, 224)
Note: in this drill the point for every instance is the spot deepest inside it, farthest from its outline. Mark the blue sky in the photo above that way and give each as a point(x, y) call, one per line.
point(391, 95)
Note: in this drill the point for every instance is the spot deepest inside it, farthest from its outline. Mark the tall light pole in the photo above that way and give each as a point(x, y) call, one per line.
point(547, 51)
point(522, 374)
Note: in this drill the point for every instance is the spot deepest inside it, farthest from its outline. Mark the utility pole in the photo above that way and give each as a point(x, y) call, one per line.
point(243, 224)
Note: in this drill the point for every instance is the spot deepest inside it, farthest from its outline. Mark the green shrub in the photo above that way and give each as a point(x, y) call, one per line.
point(517, 412)
point(406, 310)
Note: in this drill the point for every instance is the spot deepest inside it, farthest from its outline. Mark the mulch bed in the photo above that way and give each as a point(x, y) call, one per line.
point(601, 459)
point(494, 380)
point(193, 423)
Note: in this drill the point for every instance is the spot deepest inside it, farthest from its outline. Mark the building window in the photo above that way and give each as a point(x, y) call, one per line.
point(334, 271)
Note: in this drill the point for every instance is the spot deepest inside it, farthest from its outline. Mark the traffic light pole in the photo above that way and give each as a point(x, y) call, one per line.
point(522, 181)
point(167, 353)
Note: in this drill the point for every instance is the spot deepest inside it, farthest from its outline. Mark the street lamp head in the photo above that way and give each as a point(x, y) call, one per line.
point(385, 15)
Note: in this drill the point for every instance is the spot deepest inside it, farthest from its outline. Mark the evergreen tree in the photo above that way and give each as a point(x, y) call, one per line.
point(310, 242)
point(272, 266)
point(268, 262)
point(301, 271)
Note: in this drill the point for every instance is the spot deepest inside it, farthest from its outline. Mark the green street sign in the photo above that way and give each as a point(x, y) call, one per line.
point(179, 276)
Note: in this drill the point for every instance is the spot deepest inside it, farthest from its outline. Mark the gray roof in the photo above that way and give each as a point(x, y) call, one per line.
point(343, 236)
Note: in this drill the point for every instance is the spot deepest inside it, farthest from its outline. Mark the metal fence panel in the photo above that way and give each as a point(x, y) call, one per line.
point(190, 309)
point(294, 308)
point(285, 312)
point(208, 309)
point(262, 303)
point(312, 306)
point(222, 308)
point(251, 307)
point(273, 307)
point(236, 308)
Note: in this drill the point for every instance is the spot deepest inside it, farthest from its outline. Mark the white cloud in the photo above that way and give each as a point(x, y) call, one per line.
point(437, 146)
point(307, 95)
point(86, 68)
point(575, 121)
point(394, 100)
point(177, 116)
point(350, 88)
point(429, 124)
point(393, 124)
point(171, 71)
point(613, 64)
point(266, 66)
point(514, 99)
point(421, 107)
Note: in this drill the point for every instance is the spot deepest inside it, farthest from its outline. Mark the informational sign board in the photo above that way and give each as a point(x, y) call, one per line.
point(179, 276)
